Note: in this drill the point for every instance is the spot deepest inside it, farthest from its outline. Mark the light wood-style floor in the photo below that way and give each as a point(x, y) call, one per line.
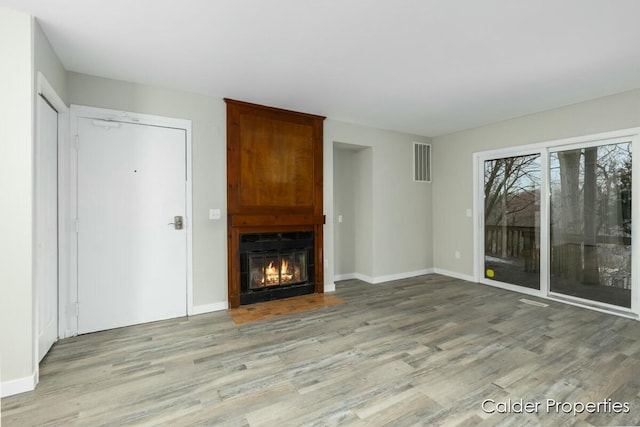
point(421, 351)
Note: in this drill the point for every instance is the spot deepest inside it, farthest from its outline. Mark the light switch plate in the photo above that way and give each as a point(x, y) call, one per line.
point(214, 213)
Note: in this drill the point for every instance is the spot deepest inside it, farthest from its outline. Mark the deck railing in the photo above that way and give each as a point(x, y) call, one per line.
point(521, 243)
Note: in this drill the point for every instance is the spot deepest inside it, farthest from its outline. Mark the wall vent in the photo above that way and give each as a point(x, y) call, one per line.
point(421, 162)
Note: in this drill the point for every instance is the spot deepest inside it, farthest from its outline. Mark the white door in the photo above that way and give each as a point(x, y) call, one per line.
point(132, 261)
point(46, 226)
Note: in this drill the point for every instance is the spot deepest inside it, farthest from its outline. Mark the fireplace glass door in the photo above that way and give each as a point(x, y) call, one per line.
point(275, 268)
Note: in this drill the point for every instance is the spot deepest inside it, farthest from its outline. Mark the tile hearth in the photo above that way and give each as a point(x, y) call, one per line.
point(283, 307)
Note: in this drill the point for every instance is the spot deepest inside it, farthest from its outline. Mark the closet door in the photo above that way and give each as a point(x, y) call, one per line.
point(46, 225)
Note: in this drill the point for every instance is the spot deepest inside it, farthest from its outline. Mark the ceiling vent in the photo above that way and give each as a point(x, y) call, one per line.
point(421, 162)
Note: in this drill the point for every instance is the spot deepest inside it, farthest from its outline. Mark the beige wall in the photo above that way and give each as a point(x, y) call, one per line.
point(364, 214)
point(398, 222)
point(390, 182)
point(207, 115)
point(46, 61)
point(27, 52)
point(452, 163)
point(344, 198)
point(17, 361)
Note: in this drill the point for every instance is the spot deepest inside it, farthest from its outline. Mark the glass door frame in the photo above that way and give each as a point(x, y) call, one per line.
point(634, 290)
point(544, 149)
point(479, 226)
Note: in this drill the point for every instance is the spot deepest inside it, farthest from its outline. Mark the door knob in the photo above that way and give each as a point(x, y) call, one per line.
point(177, 223)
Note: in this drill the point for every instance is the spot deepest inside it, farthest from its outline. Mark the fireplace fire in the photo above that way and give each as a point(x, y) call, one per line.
point(279, 269)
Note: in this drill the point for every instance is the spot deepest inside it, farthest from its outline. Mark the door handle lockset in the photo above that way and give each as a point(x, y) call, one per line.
point(177, 222)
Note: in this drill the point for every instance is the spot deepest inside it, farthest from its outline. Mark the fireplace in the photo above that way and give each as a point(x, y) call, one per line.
point(277, 268)
point(274, 203)
point(275, 265)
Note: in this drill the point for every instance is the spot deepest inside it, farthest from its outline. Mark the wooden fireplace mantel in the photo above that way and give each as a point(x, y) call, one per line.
point(274, 180)
point(275, 220)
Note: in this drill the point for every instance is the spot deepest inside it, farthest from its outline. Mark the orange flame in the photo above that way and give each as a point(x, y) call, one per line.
point(273, 275)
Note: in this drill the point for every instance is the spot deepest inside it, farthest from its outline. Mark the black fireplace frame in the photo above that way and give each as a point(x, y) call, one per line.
point(275, 242)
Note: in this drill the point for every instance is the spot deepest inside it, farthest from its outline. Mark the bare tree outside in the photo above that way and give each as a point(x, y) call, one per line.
point(590, 254)
point(591, 223)
point(512, 220)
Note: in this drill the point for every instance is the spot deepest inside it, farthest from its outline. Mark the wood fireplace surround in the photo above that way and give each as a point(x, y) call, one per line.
point(274, 180)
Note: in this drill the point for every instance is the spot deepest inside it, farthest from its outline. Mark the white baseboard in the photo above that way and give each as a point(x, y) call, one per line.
point(382, 279)
point(347, 276)
point(400, 276)
point(363, 277)
point(329, 287)
point(454, 274)
point(210, 308)
point(21, 385)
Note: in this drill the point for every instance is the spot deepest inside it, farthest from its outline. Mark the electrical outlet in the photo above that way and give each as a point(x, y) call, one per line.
point(214, 213)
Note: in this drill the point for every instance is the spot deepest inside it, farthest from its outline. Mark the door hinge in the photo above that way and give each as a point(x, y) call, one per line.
point(77, 143)
point(77, 221)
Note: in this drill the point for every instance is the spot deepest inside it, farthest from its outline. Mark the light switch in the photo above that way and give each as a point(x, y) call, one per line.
point(214, 213)
point(339, 218)
point(469, 213)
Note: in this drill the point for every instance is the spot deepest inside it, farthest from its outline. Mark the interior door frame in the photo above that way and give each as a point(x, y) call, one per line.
point(46, 90)
point(545, 148)
point(70, 183)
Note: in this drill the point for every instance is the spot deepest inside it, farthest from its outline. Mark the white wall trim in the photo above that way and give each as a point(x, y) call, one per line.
point(557, 143)
point(209, 308)
point(346, 276)
point(46, 90)
point(363, 277)
point(330, 287)
point(17, 386)
point(400, 276)
point(477, 218)
point(388, 278)
point(69, 288)
point(454, 274)
point(64, 273)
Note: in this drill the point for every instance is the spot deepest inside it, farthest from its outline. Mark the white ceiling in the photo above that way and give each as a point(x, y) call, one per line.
point(423, 66)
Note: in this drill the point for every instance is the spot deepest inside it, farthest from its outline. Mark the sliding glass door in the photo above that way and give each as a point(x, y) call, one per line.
point(591, 223)
point(555, 220)
point(512, 220)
